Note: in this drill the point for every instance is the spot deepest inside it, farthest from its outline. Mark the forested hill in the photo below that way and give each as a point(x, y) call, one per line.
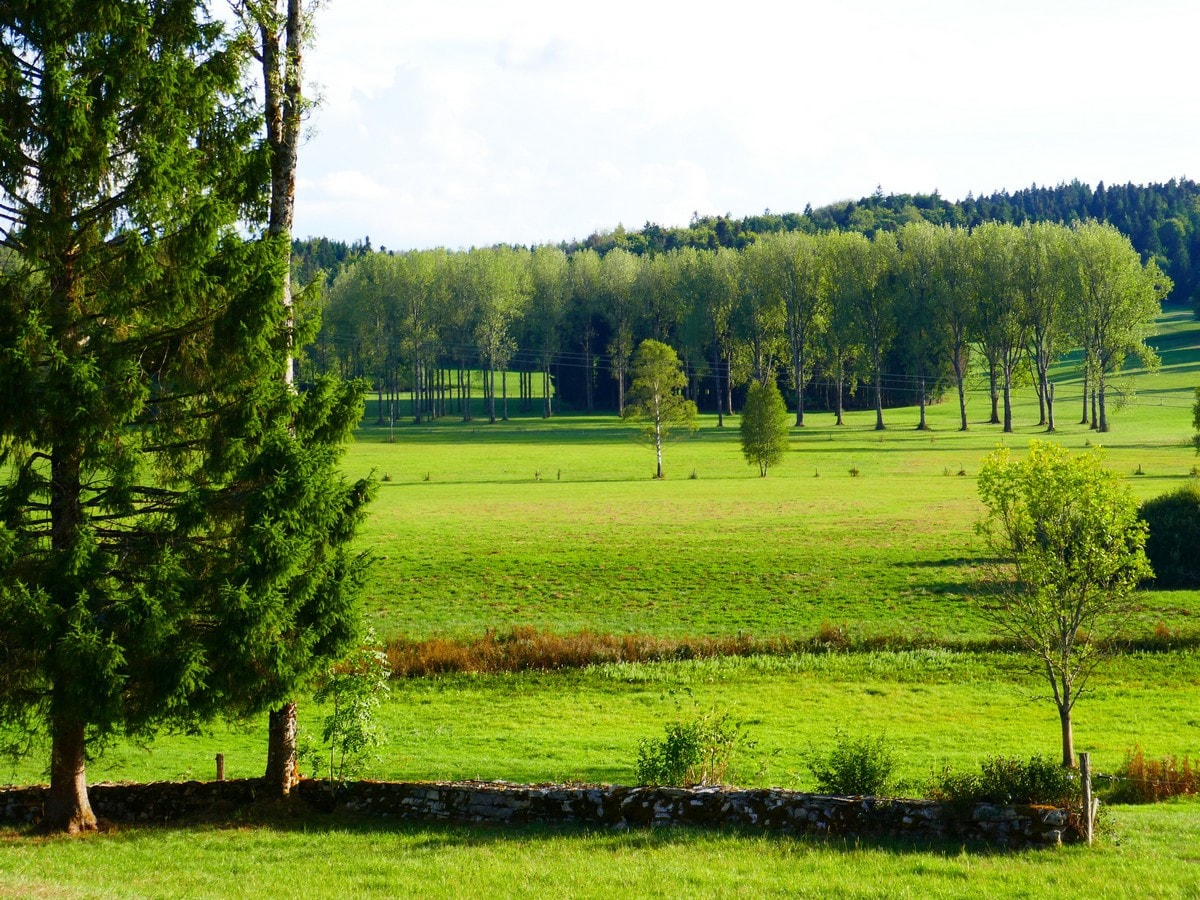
point(1161, 220)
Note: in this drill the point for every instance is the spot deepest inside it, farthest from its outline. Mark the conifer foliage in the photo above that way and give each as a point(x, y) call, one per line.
point(173, 528)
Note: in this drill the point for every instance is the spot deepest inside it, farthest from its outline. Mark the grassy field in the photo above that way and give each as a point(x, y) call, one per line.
point(1155, 857)
point(558, 525)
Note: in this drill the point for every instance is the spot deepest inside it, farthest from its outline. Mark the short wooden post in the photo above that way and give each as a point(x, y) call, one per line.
point(1089, 807)
point(220, 767)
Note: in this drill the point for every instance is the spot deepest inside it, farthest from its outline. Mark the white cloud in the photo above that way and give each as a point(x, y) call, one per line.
point(470, 122)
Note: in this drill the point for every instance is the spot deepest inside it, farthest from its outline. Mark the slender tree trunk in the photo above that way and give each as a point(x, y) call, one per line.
point(994, 388)
point(960, 382)
point(838, 391)
point(504, 394)
point(922, 424)
point(282, 67)
point(1095, 411)
point(1101, 392)
point(587, 375)
point(879, 426)
point(728, 386)
point(1008, 422)
point(798, 362)
point(720, 392)
point(67, 806)
point(1043, 387)
point(1084, 420)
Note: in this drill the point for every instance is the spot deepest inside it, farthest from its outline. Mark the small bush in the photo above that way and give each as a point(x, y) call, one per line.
point(690, 753)
point(1141, 780)
point(855, 767)
point(1173, 520)
point(854, 471)
point(1010, 780)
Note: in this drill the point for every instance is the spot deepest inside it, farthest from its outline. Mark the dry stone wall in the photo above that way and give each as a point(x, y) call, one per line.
point(501, 803)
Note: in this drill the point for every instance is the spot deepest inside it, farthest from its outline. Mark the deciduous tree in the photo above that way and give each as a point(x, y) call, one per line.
point(655, 397)
point(764, 428)
point(1070, 545)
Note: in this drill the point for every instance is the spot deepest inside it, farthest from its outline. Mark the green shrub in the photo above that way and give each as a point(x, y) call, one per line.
point(1174, 534)
point(1009, 780)
point(855, 767)
point(696, 752)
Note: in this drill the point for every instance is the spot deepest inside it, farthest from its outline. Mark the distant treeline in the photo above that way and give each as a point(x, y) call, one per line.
point(1162, 221)
point(903, 311)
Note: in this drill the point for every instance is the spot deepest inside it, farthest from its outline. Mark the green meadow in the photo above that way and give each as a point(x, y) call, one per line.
point(557, 524)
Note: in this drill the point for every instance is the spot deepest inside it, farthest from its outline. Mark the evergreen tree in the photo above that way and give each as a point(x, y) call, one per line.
point(173, 528)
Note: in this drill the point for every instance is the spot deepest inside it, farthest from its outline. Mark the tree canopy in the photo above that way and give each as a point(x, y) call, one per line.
point(1070, 545)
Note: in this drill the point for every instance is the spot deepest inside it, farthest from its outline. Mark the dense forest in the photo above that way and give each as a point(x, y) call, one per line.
point(905, 313)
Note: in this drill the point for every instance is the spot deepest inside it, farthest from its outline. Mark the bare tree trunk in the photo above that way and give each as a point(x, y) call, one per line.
point(995, 393)
point(922, 424)
point(1008, 421)
point(1084, 420)
point(282, 68)
point(1068, 737)
point(67, 806)
point(720, 391)
point(960, 381)
point(1050, 406)
point(283, 769)
point(1101, 392)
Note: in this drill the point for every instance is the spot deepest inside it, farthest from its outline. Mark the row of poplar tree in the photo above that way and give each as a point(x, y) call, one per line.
point(908, 314)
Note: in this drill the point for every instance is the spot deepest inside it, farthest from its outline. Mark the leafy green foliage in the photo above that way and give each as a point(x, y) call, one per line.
point(1070, 546)
point(354, 687)
point(655, 399)
point(1009, 780)
point(1173, 537)
point(764, 427)
point(698, 751)
point(856, 766)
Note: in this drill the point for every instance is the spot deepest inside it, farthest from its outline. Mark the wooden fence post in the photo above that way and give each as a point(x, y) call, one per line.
point(1089, 804)
point(220, 767)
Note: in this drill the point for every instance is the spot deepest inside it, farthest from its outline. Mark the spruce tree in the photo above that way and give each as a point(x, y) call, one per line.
point(173, 529)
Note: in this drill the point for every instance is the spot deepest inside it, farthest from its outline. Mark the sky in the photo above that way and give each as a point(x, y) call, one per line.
point(461, 123)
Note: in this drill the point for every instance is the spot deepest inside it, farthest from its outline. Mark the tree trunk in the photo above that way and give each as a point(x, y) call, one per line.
point(720, 392)
point(994, 389)
point(960, 381)
point(1008, 423)
point(1068, 737)
point(1102, 418)
point(67, 806)
point(1084, 420)
point(798, 365)
point(922, 425)
point(283, 769)
point(879, 426)
point(504, 394)
point(1050, 406)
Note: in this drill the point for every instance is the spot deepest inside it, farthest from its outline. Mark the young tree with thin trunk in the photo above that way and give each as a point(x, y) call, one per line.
point(1070, 545)
point(764, 428)
point(656, 399)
